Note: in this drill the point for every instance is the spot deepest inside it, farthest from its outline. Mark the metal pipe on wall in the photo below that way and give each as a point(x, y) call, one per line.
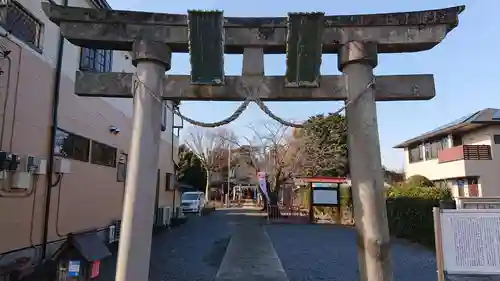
point(52, 142)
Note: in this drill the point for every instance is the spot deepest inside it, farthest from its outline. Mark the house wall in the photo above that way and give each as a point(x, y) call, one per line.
point(89, 197)
point(433, 170)
point(486, 170)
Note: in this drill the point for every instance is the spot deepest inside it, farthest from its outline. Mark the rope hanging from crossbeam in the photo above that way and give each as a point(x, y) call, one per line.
point(251, 97)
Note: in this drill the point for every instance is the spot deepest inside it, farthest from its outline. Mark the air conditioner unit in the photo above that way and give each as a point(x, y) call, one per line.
point(159, 220)
point(112, 234)
point(178, 212)
point(118, 229)
point(167, 216)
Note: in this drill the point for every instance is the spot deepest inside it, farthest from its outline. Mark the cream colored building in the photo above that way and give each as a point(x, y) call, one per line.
point(463, 155)
point(89, 196)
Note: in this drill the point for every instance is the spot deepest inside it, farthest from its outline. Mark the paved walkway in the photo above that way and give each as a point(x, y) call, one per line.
point(190, 252)
point(328, 252)
point(229, 243)
point(250, 255)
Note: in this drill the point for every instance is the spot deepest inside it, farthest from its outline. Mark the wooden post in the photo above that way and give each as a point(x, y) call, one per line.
point(438, 240)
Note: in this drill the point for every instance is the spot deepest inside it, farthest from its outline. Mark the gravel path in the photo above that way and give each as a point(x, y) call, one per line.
point(328, 252)
point(190, 252)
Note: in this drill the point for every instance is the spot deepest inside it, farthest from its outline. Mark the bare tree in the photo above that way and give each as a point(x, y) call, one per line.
point(211, 146)
point(273, 150)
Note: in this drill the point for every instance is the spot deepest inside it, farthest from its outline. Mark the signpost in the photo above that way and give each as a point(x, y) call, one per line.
point(467, 242)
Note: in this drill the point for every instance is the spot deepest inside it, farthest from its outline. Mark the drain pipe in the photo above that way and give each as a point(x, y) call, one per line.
point(53, 131)
point(174, 209)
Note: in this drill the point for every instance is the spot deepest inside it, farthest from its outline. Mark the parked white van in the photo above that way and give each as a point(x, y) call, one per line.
point(193, 201)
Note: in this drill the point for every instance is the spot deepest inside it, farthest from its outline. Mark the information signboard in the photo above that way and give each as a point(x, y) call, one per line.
point(325, 197)
point(325, 193)
point(470, 241)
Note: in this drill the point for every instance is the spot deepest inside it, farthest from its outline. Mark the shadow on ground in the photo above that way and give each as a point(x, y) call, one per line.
point(190, 252)
point(219, 247)
point(328, 252)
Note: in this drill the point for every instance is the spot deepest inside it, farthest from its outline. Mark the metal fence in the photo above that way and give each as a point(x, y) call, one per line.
point(478, 202)
point(290, 209)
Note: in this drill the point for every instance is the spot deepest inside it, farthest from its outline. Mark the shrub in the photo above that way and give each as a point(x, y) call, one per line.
point(407, 190)
point(418, 180)
point(409, 211)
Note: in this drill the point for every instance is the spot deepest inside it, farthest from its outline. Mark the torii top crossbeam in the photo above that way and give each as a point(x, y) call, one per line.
point(394, 32)
point(207, 35)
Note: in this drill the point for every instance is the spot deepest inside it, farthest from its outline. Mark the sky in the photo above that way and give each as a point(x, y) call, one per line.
point(464, 66)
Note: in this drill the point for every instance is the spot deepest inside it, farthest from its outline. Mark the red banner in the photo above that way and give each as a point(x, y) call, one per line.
point(95, 269)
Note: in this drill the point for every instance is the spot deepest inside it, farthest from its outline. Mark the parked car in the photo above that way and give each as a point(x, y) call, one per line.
point(192, 202)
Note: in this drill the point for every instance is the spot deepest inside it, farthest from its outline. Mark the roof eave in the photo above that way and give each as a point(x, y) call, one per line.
point(443, 132)
point(430, 135)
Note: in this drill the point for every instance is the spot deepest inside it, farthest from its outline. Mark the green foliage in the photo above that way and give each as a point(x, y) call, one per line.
point(345, 196)
point(409, 211)
point(407, 190)
point(324, 142)
point(418, 180)
point(190, 170)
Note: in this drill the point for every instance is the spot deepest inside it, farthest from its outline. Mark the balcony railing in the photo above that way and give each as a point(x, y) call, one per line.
point(465, 152)
point(18, 21)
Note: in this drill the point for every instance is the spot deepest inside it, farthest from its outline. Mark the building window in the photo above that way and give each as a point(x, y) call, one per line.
point(444, 143)
point(169, 181)
point(96, 60)
point(71, 146)
point(457, 140)
point(103, 154)
point(415, 153)
point(432, 148)
point(121, 168)
point(496, 139)
point(19, 22)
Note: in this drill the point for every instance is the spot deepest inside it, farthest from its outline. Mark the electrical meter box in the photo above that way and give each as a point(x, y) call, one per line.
point(21, 180)
point(62, 166)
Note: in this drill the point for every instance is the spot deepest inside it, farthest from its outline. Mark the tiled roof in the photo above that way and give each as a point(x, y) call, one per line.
point(483, 117)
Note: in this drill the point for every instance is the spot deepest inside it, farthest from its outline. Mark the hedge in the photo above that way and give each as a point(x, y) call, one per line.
point(409, 211)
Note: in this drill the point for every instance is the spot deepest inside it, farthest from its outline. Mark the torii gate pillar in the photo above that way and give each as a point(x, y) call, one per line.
point(152, 59)
point(357, 60)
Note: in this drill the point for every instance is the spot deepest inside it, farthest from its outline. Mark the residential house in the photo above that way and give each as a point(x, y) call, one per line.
point(91, 145)
point(463, 155)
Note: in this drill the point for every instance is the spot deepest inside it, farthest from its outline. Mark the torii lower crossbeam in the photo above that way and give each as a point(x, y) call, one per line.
point(178, 87)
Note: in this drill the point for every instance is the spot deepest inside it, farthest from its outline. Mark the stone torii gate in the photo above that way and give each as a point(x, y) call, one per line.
point(304, 37)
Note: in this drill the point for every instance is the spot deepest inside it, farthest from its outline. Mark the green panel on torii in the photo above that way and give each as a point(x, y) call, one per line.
point(303, 49)
point(206, 47)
